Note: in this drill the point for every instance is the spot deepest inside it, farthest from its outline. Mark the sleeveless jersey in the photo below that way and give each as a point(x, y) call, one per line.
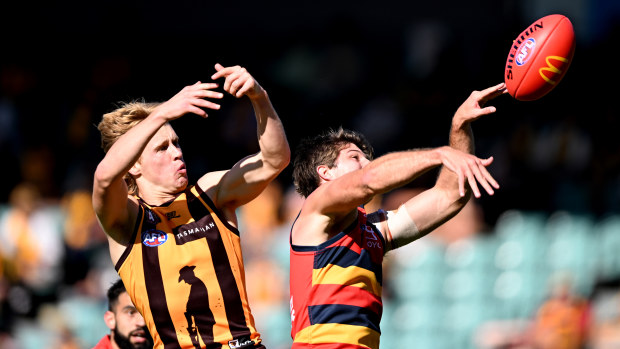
point(336, 289)
point(184, 273)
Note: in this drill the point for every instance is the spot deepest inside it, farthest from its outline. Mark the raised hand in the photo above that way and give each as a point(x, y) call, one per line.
point(238, 82)
point(191, 99)
point(473, 107)
point(470, 167)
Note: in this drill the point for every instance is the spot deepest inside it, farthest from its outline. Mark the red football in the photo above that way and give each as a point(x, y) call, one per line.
point(539, 57)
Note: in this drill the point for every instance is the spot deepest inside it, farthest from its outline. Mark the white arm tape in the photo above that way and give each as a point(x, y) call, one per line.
point(400, 223)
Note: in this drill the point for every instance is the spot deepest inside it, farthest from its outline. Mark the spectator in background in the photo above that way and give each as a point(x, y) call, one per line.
point(127, 326)
point(83, 236)
point(563, 320)
point(32, 247)
point(605, 333)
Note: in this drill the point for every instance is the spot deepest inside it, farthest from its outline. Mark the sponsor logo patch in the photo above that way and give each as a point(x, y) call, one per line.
point(240, 343)
point(151, 217)
point(195, 230)
point(154, 238)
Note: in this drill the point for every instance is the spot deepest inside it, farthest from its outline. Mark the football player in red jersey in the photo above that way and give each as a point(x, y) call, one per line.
point(337, 247)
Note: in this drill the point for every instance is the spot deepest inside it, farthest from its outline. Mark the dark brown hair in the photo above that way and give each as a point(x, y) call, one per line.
point(323, 150)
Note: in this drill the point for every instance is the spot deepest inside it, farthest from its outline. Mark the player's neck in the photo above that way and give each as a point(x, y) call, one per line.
point(155, 196)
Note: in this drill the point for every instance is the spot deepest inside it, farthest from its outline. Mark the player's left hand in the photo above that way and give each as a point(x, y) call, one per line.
point(469, 168)
point(473, 107)
point(238, 82)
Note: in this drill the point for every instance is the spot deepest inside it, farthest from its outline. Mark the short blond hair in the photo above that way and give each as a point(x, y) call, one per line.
point(116, 123)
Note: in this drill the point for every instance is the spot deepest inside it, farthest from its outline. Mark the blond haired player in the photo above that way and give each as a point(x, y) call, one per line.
point(176, 245)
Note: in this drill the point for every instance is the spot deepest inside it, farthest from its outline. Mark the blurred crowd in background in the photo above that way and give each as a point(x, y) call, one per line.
point(536, 265)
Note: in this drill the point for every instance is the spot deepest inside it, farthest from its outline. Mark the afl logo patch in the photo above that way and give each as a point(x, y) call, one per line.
point(154, 238)
point(525, 51)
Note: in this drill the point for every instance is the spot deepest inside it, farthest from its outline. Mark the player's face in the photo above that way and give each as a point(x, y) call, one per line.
point(162, 164)
point(130, 330)
point(350, 159)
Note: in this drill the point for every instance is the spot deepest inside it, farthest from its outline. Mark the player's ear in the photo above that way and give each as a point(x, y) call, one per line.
point(135, 170)
point(324, 172)
point(109, 319)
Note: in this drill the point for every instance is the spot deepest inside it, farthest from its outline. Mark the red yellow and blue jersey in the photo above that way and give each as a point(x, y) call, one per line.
point(336, 289)
point(184, 273)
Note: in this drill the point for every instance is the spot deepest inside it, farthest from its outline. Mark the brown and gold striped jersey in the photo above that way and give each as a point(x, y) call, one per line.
point(184, 273)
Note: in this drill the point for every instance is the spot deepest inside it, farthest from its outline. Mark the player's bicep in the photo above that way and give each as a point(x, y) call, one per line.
point(236, 186)
point(115, 210)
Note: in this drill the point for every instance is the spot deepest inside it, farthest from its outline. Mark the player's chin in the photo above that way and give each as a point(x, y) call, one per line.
point(182, 183)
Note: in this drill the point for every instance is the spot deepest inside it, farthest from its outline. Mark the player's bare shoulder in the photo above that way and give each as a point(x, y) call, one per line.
point(210, 183)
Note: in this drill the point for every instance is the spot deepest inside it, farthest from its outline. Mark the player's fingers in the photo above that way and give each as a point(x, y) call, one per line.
point(488, 161)
point(218, 74)
point(489, 177)
point(471, 179)
point(236, 81)
point(222, 71)
point(237, 74)
point(485, 163)
point(233, 87)
point(476, 167)
point(206, 104)
point(481, 178)
point(209, 94)
point(206, 86)
point(195, 110)
point(461, 181)
point(487, 110)
point(494, 89)
point(233, 76)
point(245, 88)
point(492, 92)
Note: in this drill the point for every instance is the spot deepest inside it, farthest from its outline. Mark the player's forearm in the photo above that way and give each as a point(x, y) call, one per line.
point(397, 169)
point(462, 136)
point(272, 140)
point(127, 150)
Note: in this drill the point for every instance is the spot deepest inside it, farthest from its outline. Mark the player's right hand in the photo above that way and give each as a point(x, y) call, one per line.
point(191, 99)
point(473, 107)
point(471, 168)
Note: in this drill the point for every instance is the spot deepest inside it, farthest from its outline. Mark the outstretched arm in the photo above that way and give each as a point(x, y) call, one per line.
point(114, 209)
point(329, 208)
point(461, 135)
point(248, 177)
point(451, 192)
